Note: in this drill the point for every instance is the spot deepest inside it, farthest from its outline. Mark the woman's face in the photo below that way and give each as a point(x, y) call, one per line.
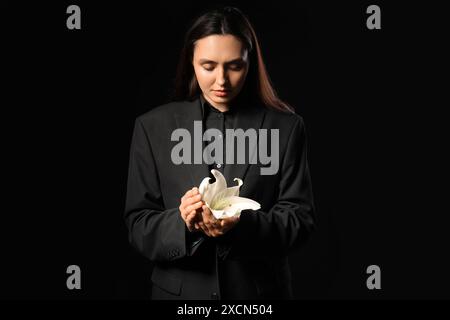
point(221, 66)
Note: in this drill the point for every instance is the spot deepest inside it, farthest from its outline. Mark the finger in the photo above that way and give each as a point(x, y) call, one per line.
point(194, 217)
point(208, 216)
point(189, 221)
point(206, 220)
point(182, 212)
point(192, 199)
point(187, 218)
point(206, 210)
point(188, 194)
point(228, 223)
point(190, 217)
point(218, 232)
point(192, 196)
point(209, 223)
point(194, 207)
point(204, 228)
point(184, 206)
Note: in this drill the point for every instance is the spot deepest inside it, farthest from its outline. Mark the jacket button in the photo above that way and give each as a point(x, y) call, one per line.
point(214, 296)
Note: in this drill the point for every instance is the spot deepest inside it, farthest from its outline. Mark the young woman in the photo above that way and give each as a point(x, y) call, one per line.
point(221, 84)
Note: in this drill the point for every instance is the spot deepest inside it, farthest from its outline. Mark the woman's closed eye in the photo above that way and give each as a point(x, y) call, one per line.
point(208, 67)
point(233, 67)
point(236, 66)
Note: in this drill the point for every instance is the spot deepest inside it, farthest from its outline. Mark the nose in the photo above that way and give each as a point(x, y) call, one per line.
point(221, 77)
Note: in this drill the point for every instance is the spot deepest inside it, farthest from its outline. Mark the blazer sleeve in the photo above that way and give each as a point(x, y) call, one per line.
point(157, 233)
point(290, 221)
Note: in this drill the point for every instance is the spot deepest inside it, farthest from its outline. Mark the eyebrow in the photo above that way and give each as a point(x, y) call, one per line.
point(206, 61)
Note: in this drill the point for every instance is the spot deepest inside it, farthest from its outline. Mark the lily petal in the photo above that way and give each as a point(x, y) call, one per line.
point(222, 201)
point(245, 203)
point(228, 192)
point(220, 183)
point(236, 205)
point(203, 190)
point(218, 214)
point(240, 183)
point(234, 191)
point(210, 190)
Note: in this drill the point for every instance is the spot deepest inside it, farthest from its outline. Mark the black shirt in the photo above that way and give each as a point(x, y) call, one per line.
point(216, 119)
point(213, 118)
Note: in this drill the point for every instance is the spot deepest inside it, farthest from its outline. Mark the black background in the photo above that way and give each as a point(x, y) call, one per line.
point(70, 97)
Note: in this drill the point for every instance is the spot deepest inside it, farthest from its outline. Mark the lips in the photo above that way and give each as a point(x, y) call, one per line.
point(221, 93)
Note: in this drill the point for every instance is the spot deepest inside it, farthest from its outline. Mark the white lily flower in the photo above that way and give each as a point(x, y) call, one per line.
point(222, 201)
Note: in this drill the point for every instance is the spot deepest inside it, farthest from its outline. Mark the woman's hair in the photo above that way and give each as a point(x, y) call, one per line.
point(227, 20)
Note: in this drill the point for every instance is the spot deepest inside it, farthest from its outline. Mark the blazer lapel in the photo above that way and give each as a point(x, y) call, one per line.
point(190, 112)
point(248, 117)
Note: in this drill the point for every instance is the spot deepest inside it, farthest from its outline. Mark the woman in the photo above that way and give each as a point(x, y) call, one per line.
point(221, 84)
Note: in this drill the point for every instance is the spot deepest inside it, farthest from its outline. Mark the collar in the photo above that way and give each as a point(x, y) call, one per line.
point(190, 111)
point(206, 107)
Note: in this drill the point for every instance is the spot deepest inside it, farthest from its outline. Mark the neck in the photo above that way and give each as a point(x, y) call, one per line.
point(220, 107)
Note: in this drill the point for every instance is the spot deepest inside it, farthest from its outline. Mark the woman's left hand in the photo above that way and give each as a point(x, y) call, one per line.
point(213, 227)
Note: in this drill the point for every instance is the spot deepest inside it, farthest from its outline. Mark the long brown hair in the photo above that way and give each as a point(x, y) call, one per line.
point(227, 20)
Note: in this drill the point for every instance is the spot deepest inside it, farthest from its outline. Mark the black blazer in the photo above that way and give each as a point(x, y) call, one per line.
point(248, 262)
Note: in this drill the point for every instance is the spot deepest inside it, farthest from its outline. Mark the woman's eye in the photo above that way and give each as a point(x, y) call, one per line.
point(208, 68)
point(236, 67)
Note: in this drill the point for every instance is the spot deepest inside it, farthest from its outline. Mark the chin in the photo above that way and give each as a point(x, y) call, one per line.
point(218, 100)
point(221, 99)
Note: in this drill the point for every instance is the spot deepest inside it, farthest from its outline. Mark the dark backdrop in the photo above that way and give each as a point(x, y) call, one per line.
point(70, 99)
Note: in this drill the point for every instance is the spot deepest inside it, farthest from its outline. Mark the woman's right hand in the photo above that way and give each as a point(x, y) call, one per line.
point(190, 203)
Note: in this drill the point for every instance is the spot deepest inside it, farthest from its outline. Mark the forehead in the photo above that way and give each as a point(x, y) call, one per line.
point(219, 48)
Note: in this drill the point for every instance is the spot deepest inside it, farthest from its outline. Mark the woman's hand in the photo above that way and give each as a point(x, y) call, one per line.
point(197, 216)
point(190, 203)
point(213, 227)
